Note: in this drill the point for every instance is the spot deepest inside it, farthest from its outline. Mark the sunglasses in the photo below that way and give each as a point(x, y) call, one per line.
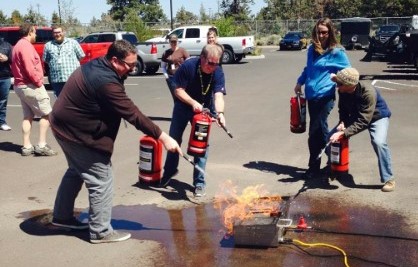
point(323, 32)
point(130, 65)
point(173, 42)
point(213, 64)
point(339, 84)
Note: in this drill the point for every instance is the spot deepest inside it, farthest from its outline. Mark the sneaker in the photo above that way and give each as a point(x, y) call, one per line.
point(389, 186)
point(199, 191)
point(165, 180)
point(310, 174)
point(115, 236)
point(72, 223)
point(5, 127)
point(44, 151)
point(28, 151)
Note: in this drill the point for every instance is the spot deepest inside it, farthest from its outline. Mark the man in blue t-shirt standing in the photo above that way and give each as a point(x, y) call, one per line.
point(200, 83)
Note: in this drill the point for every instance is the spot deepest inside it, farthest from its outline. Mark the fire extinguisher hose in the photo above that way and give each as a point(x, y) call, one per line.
point(323, 150)
point(216, 117)
point(300, 107)
point(194, 165)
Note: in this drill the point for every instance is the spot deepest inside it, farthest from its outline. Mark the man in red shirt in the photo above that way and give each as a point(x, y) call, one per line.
point(28, 85)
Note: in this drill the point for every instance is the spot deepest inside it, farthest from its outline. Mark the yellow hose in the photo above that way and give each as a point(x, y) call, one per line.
point(323, 245)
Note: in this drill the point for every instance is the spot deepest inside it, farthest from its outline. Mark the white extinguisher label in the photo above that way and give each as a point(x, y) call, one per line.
point(145, 158)
point(335, 153)
point(201, 133)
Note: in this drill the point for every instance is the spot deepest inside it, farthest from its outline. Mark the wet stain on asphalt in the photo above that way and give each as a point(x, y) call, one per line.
point(370, 236)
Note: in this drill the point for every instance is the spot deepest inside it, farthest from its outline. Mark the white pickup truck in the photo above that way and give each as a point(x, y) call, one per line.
point(193, 39)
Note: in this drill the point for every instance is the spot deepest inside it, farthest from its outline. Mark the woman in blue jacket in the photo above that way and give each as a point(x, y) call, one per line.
point(325, 56)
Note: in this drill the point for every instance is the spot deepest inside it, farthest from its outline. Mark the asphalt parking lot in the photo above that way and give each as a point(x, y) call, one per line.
point(262, 153)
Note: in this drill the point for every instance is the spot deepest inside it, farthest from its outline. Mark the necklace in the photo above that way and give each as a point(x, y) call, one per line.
point(204, 91)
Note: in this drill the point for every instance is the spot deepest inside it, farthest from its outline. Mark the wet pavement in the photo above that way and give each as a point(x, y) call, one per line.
point(370, 236)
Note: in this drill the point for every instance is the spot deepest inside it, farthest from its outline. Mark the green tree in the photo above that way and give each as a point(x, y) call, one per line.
point(16, 18)
point(185, 17)
point(134, 23)
point(3, 18)
point(55, 19)
point(31, 16)
point(204, 17)
point(238, 9)
point(148, 10)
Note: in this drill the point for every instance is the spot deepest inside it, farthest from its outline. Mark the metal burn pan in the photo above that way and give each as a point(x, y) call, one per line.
point(258, 231)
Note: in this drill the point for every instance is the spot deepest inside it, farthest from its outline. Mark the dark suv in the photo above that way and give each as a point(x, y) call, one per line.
point(385, 32)
point(293, 40)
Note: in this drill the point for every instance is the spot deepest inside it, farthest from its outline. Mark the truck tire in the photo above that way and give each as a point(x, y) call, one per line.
point(238, 58)
point(151, 70)
point(138, 69)
point(228, 57)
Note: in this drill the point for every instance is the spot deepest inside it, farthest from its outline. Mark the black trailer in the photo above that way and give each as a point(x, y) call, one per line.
point(355, 32)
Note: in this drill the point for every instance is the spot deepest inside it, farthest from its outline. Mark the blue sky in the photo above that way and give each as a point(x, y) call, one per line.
point(85, 10)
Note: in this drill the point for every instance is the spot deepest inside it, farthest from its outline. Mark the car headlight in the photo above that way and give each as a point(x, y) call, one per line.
point(396, 40)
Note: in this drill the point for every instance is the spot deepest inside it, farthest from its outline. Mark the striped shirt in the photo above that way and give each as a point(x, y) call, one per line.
point(62, 59)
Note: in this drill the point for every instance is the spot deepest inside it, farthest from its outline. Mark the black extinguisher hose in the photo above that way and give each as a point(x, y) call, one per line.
point(300, 108)
point(215, 116)
point(194, 165)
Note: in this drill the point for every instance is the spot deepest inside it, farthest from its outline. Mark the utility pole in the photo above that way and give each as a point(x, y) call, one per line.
point(59, 10)
point(171, 14)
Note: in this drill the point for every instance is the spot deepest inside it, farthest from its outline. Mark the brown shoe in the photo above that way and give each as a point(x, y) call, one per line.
point(389, 186)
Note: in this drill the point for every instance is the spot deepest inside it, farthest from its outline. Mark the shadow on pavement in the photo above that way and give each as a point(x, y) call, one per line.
point(265, 166)
point(176, 190)
point(10, 147)
point(40, 225)
point(154, 118)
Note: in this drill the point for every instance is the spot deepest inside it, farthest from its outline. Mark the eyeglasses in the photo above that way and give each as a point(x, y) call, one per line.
point(323, 32)
point(213, 64)
point(130, 65)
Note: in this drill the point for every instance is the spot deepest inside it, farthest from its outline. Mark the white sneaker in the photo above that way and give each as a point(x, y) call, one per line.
point(5, 127)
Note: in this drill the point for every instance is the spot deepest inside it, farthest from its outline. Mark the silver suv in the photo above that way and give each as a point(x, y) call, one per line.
point(101, 37)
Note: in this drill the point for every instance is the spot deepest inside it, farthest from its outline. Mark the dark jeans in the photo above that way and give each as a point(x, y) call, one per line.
point(57, 87)
point(319, 110)
point(181, 116)
point(4, 95)
point(171, 86)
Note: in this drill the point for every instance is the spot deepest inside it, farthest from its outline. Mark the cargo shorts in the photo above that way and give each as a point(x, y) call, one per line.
point(35, 100)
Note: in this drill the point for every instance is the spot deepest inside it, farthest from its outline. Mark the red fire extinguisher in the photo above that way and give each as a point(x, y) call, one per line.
point(199, 134)
point(297, 114)
point(340, 156)
point(150, 156)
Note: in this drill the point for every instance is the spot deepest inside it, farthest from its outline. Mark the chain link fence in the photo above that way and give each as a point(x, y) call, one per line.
point(266, 32)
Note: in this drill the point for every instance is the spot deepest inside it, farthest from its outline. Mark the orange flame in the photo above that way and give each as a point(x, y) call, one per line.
point(236, 207)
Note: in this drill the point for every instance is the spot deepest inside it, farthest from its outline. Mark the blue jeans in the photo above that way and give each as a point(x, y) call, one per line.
point(319, 110)
point(378, 131)
point(171, 86)
point(57, 87)
point(89, 166)
point(4, 95)
point(181, 116)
